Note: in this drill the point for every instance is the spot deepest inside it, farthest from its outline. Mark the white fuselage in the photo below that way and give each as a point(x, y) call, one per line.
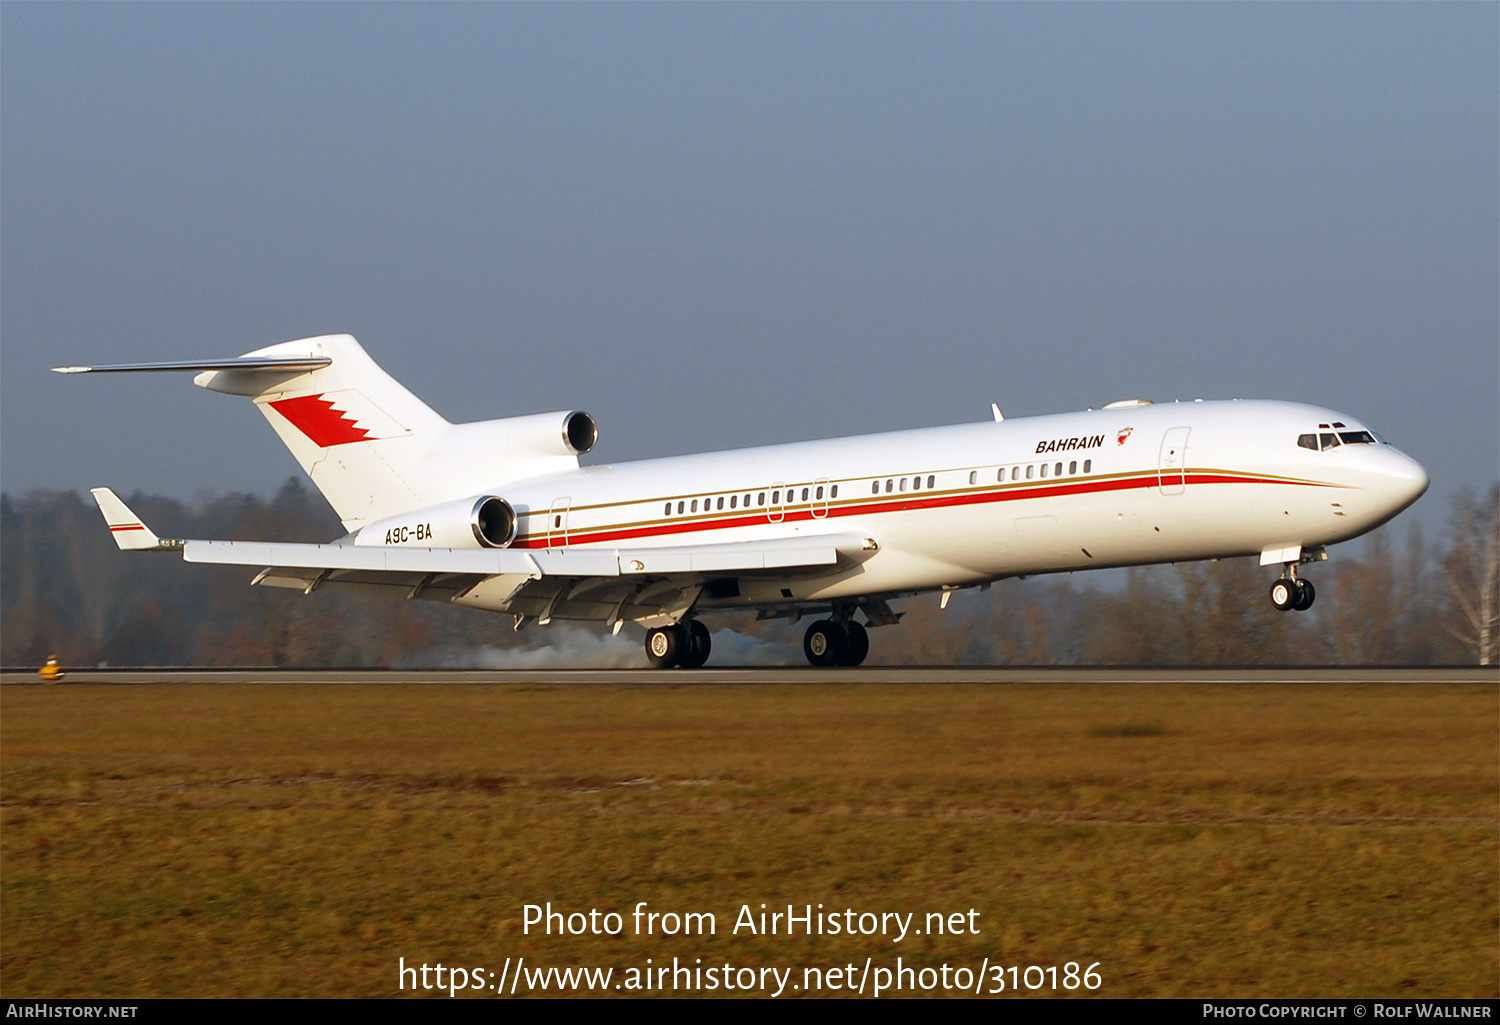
point(961, 505)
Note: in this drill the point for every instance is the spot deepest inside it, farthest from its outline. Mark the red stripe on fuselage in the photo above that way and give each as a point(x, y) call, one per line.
point(897, 503)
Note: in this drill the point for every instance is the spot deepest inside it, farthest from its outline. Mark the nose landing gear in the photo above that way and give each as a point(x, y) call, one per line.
point(1292, 593)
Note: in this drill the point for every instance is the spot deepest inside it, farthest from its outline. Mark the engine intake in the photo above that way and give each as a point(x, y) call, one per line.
point(580, 432)
point(494, 522)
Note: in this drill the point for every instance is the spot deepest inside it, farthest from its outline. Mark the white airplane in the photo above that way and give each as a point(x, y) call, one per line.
point(499, 515)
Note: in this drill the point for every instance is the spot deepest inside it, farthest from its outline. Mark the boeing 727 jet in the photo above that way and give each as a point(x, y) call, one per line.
point(499, 515)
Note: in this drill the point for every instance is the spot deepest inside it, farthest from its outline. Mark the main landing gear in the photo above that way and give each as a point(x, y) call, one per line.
point(684, 645)
point(1290, 592)
point(829, 643)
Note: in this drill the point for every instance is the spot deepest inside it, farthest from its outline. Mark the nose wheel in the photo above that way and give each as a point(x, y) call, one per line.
point(1292, 593)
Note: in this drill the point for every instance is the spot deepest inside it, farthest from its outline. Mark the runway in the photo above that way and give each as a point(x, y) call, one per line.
point(886, 675)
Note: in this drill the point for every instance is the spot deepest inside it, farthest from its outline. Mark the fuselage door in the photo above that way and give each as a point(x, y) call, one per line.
point(1172, 470)
point(557, 523)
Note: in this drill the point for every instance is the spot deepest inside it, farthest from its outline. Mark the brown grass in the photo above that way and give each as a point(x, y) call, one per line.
point(1196, 840)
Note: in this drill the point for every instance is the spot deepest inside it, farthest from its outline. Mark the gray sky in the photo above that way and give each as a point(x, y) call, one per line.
point(721, 225)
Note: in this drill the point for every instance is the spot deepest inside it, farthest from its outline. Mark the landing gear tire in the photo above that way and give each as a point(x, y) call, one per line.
point(699, 645)
point(1305, 596)
point(858, 647)
point(825, 643)
point(1284, 593)
point(666, 645)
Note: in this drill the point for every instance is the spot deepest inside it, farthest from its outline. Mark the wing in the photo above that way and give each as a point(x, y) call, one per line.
point(646, 585)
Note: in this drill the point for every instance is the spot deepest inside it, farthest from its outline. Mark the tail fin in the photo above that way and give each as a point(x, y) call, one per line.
point(373, 448)
point(355, 430)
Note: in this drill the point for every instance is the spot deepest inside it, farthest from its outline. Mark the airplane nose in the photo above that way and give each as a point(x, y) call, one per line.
point(1403, 478)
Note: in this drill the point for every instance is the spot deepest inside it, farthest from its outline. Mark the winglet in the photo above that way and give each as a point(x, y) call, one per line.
point(129, 532)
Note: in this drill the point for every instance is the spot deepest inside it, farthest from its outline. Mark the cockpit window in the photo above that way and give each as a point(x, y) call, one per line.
point(1332, 439)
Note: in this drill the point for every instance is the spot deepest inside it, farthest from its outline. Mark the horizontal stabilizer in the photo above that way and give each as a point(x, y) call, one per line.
point(129, 532)
point(265, 364)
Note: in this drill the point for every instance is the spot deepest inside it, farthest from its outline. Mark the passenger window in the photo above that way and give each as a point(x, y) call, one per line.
point(890, 485)
point(1030, 470)
point(1308, 441)
point(835, 492)
point(875, 487)
point(747, 501)
point(819, 495)
point(734, 501)
point(1057, 470)
point(679, 508)
point(1044, 469)
point(916, 483)
point(1088, 464)
point(903, 484)
point(973, 476)
point(1072, 468)
point(804, 494)
point(668, 510)
point(695, 505)
point(760, 499)
point(776, 498)
point(930, 479)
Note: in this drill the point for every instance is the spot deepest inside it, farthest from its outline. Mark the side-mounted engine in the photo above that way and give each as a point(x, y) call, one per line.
point(487, 521)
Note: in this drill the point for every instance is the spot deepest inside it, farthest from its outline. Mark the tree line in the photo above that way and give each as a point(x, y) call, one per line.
point(1393, 598)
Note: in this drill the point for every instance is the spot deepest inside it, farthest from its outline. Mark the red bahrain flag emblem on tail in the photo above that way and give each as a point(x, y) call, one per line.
point(337, 418)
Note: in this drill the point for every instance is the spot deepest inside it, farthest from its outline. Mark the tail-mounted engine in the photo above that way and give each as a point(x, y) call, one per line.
point(544, 434)
point(484, 522)
point(580, 432)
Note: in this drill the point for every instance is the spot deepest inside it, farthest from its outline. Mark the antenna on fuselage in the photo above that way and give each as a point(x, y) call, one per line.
point(995, 408)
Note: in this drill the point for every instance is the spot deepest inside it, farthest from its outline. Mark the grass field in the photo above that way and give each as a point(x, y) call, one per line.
point(1195, 840)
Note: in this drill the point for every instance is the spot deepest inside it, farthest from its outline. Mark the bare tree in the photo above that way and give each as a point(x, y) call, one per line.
point(1472, 568)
